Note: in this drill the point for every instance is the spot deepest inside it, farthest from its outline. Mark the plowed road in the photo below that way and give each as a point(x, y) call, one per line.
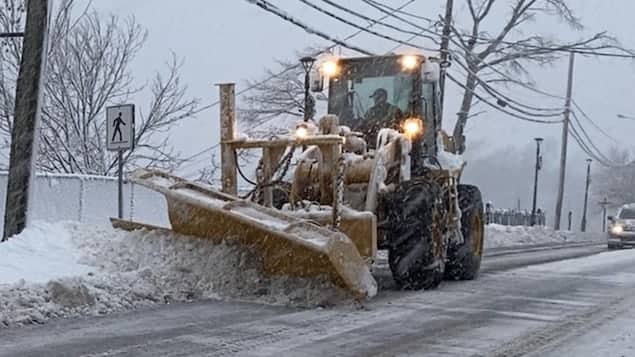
point(517, 307)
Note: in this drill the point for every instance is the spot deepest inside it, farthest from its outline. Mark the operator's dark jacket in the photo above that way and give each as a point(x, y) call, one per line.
point(380, 116)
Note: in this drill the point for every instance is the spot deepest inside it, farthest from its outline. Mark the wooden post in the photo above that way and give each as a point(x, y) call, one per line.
point(563, 150)
point(328, 172)
point(28, 101)
point(270, 157)
point(267, 172)
point(445, 44)
point(227, 128)
point(586, 196)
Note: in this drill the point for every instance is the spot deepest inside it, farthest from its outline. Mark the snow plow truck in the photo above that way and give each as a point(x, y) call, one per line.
point(376, 172)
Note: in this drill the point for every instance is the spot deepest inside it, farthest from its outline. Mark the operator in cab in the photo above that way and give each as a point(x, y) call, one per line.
point(381, 115)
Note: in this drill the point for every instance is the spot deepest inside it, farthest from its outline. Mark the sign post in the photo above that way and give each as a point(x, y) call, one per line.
point(120, 125)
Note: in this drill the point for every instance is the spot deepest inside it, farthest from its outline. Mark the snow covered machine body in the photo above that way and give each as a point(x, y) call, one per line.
point(377, 172)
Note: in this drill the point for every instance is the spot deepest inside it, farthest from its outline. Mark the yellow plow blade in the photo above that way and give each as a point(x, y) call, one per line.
point(288, 245)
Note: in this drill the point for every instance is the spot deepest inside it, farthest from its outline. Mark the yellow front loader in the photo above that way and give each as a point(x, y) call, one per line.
point(345, 193)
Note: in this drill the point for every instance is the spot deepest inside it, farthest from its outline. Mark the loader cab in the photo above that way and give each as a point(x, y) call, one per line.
point(402, 87)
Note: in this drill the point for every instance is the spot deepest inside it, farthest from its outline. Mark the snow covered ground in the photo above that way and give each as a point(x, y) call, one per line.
point(498, 236)
point(68, 269)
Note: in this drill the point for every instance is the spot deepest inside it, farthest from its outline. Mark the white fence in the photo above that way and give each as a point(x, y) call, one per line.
point(89, 199)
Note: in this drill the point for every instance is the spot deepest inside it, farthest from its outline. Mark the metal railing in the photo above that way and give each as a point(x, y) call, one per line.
point(513, 217)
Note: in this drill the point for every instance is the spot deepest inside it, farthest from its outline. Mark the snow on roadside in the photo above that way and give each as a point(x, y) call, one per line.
point(68, 269)
point(43, 252)
point(498, 236)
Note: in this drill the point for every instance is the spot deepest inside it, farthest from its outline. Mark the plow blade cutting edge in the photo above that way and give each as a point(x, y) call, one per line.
point(287, 245)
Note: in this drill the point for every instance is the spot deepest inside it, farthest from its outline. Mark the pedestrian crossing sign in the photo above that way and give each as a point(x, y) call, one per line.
point(120, 127)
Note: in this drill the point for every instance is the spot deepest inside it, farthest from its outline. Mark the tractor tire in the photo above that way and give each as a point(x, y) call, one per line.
point(411, 211)
point(464, 260)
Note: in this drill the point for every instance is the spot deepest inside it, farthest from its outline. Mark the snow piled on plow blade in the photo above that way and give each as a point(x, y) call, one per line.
point(96, 271)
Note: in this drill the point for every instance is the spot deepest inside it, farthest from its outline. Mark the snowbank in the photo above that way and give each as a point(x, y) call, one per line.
point(43, 252)
point(69, 269)
point(497, 236)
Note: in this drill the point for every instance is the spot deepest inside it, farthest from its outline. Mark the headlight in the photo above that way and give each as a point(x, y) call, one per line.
point(617, 229)
point(412, 128)
point(330, 68)
point(409, 62)
point(301, 132)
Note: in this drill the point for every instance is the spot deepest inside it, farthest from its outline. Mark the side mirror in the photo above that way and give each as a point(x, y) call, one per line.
point(610, 218)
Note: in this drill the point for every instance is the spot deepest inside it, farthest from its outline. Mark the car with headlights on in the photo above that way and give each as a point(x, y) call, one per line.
point(621, 230)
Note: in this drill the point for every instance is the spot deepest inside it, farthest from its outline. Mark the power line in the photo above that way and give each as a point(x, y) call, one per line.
point(587, 149)
point(478, 96)
point(418, 17)
point(385, 8)
point(588, 146)
point(251, 87)
point(364, 17)
point(352, 24)
point(269, 7)
point(498, 94)
point(399, 45)
point(585, 135)
point(584, 115)
point(488, 88)
point(392, 13)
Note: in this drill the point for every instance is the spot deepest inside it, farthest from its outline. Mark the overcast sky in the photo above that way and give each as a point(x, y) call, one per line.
point(231, 41)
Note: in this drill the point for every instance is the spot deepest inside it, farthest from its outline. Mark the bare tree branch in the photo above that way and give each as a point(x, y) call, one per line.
point(503, 58)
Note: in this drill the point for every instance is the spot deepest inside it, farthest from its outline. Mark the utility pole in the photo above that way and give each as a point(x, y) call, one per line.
point(565, 138)
point(28, 101)
point(538, 167)
point(586, 195)
point(604, 203)
point(445, 45)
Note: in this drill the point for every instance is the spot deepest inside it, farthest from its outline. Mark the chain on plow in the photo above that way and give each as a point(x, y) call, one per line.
point(283, 164)
point(339, 193)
